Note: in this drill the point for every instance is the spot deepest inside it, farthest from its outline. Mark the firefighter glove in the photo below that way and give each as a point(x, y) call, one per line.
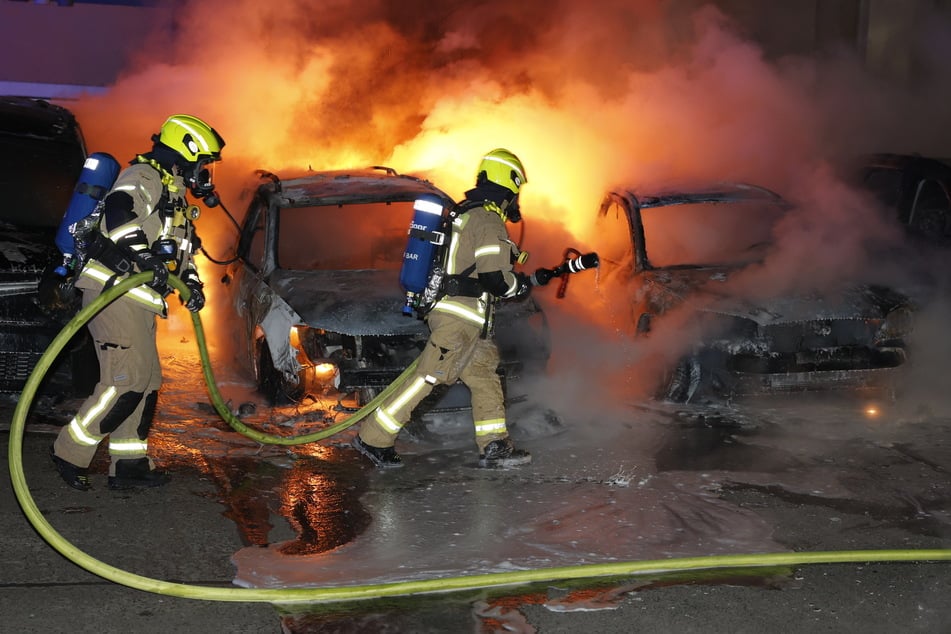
point(542, 276)
point(149, 262)
point(196, 301)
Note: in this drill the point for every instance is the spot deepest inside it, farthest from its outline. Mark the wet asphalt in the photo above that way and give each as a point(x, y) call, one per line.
point(893, 492)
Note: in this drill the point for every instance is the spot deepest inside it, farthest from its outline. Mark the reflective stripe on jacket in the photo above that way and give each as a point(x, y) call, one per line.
point(480, 244)
point(144, 184)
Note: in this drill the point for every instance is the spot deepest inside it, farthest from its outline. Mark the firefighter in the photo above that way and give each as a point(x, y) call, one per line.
point(461, 345)
point(145, 225)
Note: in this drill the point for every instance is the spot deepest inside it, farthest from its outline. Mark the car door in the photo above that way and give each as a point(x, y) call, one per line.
point(616, 251)
point(248, 291)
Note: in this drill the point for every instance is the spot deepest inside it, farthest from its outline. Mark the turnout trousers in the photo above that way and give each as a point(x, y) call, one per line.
point(455, 351)
point(122, 405)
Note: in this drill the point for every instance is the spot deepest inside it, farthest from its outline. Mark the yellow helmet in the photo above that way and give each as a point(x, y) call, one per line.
point(192, 138)
point(502, 168)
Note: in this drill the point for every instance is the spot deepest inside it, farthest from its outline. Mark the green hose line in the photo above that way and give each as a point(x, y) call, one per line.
point(236, 424)
point(370, 591)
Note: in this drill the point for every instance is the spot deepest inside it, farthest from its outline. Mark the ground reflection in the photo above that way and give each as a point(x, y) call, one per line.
point(323, 506)
point(317, 499)
point(637, 482)
point(301, 499)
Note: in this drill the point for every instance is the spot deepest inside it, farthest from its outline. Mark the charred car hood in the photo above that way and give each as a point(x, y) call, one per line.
point(706, 289)
point(367, 302)
point(24, 255)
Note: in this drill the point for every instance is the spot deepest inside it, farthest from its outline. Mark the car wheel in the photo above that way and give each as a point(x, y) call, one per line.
point(365, 395)
point(683, 381)
point(644, 324)
point(270, 381)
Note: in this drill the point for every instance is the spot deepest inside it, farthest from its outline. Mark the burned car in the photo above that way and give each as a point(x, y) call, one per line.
point(316, 290)
point(41, 156)
point(672, 255)
point(915, 190)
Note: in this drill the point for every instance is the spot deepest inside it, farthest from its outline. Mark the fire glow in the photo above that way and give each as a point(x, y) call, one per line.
point(589, 95)
point(430, 91)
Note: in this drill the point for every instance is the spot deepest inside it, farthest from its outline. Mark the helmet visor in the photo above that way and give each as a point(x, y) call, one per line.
point(512, 211)
point(201, 178)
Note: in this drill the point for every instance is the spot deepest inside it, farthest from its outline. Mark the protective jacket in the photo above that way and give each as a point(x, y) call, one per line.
point(460, 345)
point(148, 205)
point(479, 267)
point(158, 211)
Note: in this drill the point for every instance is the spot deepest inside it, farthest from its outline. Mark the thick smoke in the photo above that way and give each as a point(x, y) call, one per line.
point(589, 95)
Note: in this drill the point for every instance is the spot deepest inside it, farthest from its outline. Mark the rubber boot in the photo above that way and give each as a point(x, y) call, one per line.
point(76, 477)
point(131, 474)
point(382, 457)
point(502, 453)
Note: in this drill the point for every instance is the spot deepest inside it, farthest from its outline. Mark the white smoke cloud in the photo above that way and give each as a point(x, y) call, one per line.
point(589, 95)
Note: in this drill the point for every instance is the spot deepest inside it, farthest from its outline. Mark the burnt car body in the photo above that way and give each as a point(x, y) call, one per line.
point(41, 156)
point(316, 290)
point(916, 191)
point(735, 345)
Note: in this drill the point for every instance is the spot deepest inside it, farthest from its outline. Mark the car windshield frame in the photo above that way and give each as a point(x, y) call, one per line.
point(721, 233)
point(657, 221)
point(368, 235)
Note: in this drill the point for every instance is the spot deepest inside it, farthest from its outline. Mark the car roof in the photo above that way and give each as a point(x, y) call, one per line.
point(347, 187)
point(41, 156)
point(933, 166)
point(37, 118)
point(706, 193)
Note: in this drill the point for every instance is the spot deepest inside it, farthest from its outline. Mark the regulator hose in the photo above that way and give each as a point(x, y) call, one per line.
point(369, 591)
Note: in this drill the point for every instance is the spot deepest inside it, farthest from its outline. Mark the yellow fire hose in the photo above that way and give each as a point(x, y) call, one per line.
point(369, 591)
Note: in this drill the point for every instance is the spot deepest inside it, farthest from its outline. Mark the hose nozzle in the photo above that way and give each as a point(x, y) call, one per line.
point(577, 264)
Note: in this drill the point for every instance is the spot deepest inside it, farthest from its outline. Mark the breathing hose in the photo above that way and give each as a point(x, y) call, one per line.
point(369, 591)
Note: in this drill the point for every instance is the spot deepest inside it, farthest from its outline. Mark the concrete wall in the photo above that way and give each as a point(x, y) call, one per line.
point(48, 48)
point(886, 33)
point(40, 43)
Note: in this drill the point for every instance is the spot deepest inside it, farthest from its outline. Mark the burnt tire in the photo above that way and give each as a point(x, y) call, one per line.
point(683, 381)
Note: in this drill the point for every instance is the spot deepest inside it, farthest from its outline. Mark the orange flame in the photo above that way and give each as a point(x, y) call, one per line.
point(588, 95)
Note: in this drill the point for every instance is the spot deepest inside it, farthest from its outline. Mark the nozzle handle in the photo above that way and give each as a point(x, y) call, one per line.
point(542, 276)
point(575, 265)
point(586, 261)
